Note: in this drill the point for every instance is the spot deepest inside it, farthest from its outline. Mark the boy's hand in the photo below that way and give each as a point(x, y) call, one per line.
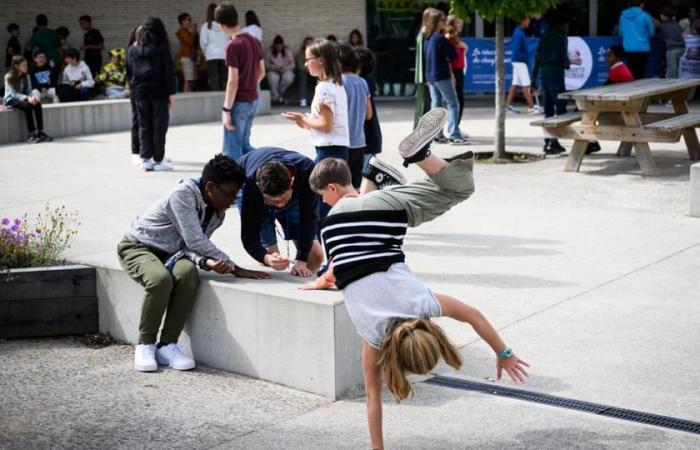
point(295, 117)
point(276, 261)
point(77, 86)
point(299, 269)
point(171, 101)
point(32, 100)
point(515, 368)
point(240, 272)
point(219, 266)
point(226, 120)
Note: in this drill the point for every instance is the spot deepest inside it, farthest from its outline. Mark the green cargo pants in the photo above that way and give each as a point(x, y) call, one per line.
point(174, 292)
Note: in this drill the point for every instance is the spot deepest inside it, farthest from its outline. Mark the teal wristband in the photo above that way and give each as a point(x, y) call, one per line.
point(506, 353)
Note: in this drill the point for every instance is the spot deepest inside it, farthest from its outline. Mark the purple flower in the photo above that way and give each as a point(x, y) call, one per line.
point(14, 227)
point(21, 238)
point(18, 222)
point(5, 221)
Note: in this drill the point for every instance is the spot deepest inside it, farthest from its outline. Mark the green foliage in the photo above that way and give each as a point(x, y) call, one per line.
point(38, 245)
point(491, 9)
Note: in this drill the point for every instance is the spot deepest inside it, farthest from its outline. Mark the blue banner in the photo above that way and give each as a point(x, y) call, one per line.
point(589, 67)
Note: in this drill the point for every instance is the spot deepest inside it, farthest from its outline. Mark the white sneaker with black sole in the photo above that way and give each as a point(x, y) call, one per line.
point(171, 356)
point(429, 126)
point(145, 358)
point(147, 164)
point(382, 174)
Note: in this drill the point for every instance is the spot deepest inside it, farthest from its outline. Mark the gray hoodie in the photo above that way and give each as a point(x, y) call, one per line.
point(175, 224)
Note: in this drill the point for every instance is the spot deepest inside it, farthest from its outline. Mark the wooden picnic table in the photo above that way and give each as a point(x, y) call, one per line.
point(618, 112)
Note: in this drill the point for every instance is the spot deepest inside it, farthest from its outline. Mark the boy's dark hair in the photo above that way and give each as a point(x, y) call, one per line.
point(72, 53)
point(251, 18)
point(273, 178)
point(37, 52)
point(181, 17)
point(64, 32)
point(330, 170)
point(332, 38)
point(367, 60)
point(348, 57)
point(667, 11)
point(153, 32)
point(85, 18)
point(618, 51)
point(12, 27)
point(42, 20)
point(226, 14)
point(635, 3)
point(223, 169)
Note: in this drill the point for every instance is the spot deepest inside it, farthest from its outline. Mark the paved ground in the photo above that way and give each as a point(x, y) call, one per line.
point(588, 276)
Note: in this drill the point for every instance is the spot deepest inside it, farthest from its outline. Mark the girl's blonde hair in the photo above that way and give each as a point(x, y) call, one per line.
point(14, 77)
point(452, 25)
point(431, 21)
point(415, 346)
point(326, 51)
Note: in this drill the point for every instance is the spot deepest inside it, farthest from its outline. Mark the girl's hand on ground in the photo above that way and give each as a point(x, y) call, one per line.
point(218, 266)
point(240, 272)
point(515, 368)
point(299, 269)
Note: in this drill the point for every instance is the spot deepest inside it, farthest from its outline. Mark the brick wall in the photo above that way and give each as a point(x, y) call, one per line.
point(293, 19)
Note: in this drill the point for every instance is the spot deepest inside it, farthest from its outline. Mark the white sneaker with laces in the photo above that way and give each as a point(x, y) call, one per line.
point(163, 166)
point(170, 355)
point(145, 358)
point(147, 164)
point(135, 159)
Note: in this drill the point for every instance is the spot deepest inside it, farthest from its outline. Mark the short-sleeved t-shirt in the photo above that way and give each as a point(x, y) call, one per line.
point(375, 302)
point(357, 92)
point(93, 37)
point(244, 53)
point(334, 97)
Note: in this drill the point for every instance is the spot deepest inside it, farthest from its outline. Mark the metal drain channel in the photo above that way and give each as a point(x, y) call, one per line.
point(672, 423)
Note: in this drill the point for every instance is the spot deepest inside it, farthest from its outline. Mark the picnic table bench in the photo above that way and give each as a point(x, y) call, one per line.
point(618, 112)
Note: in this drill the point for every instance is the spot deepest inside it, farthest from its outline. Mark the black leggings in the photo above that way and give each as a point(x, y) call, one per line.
point(31, 112)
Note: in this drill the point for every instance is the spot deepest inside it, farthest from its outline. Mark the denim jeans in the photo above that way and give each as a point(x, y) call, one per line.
point(444, 92)
point(672, 57)
point(329, 151)
point(237, 142)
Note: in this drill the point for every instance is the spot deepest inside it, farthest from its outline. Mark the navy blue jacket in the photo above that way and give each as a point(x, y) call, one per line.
point(253, 207)
point(439, 53)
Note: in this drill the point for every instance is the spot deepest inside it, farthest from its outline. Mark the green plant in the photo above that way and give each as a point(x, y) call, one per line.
point(40, 244)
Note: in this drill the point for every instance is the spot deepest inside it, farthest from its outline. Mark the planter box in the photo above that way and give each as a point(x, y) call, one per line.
point(48, 301)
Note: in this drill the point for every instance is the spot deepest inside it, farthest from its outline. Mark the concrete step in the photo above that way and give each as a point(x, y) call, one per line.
point(265, 329)
point(104, 116)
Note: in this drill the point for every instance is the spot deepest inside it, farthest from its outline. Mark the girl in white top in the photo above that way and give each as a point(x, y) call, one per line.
point(252, 25)
point(213, 40)
point(328, 120)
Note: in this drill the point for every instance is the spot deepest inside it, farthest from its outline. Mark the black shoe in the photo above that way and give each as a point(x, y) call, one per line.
point(33, 138)
point(43, 137)
point(593, 147)
point(553, 147)
point(413, 147)
point(382, 174)
point(441, 140)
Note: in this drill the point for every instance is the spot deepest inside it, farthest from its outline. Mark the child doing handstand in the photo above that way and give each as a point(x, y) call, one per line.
point(390, 308)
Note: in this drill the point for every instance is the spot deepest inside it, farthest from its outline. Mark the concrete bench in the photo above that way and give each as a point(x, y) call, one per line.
point(264, 329)
point(676, 123)
point(558, 121)
point(103, 116)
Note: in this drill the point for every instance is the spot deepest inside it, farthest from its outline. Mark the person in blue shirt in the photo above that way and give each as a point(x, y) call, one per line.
point(636, 30)
point(521, 73)
point(439, 53)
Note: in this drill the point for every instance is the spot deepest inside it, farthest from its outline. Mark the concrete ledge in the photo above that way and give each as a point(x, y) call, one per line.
point(103, 116)
point(263, 329)
point(694, 187)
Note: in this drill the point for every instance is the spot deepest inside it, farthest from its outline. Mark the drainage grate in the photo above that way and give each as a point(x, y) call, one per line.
point(561, 402)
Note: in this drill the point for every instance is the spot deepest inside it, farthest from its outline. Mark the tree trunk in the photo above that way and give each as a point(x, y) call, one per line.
point(499, 150)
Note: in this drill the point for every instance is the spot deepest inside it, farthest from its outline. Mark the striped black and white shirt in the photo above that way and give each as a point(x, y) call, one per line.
point(361, 243)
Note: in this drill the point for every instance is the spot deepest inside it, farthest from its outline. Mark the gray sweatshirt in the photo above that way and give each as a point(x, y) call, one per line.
point(174, 224)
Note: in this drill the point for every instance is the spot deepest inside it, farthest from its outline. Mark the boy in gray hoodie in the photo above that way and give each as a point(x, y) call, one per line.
point(163, 249)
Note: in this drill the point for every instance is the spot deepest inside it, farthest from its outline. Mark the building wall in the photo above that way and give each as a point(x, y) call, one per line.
point(292, 19)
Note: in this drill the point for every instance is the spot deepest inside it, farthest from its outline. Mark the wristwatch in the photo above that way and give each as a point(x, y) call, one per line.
point(506, 353)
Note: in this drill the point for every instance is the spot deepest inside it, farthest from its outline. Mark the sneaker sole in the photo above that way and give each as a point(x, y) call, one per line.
point(384, 167)
point(146, 368)
point(167, 364)
point(428, 127)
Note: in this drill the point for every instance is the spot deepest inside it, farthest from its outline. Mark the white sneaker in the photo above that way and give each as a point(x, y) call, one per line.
point(135, 159)
point(512, 109)
point(145, 358)
point(147, 164)
point(535, 110)
point(170, 355)
point(163, 166)
point(302, 102)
